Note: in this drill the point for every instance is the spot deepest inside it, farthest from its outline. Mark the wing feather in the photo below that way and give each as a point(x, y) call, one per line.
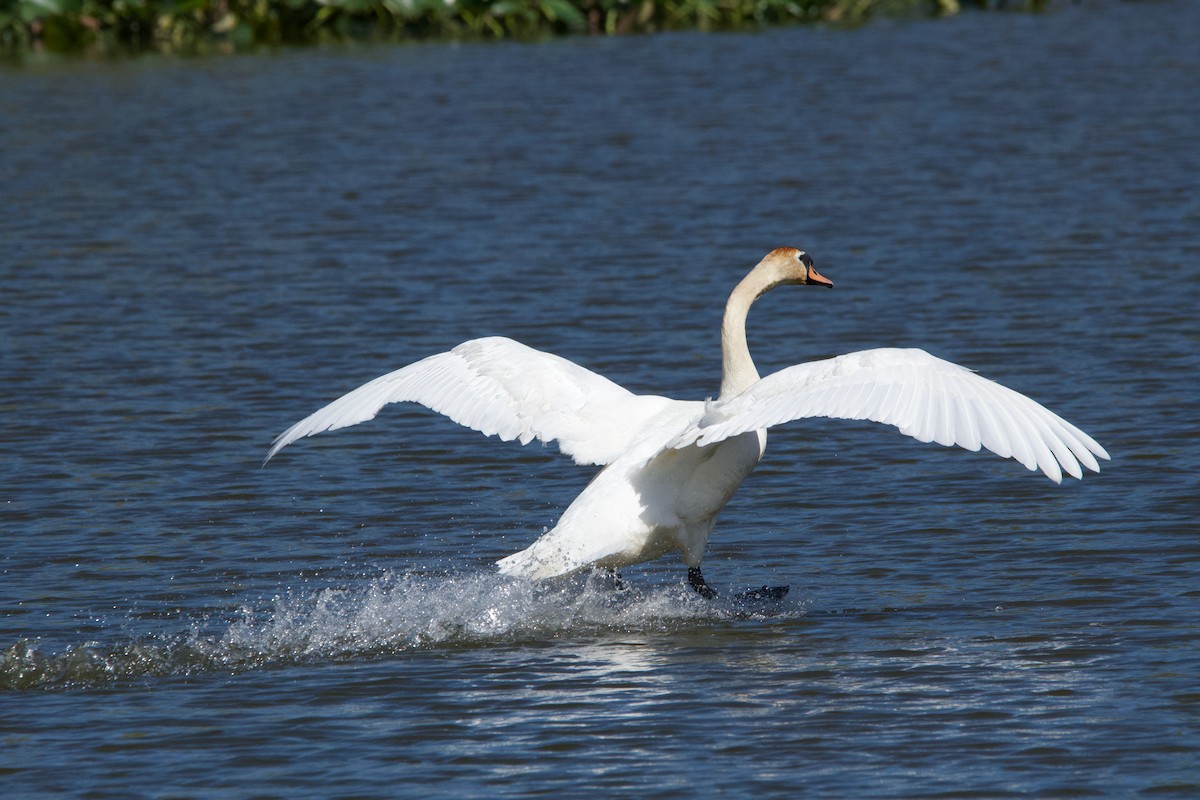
point(925, 397)
point(967, 434)
point(501, 388)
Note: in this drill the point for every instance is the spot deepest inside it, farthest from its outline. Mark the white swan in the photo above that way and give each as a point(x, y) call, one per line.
point(671, 465)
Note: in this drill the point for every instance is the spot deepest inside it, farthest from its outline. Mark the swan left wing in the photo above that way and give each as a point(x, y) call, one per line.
point(926, 397)
point(503, 388)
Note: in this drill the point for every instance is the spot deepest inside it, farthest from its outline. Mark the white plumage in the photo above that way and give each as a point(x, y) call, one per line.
point(927, 398)
point(671, 465)
point(501, 388)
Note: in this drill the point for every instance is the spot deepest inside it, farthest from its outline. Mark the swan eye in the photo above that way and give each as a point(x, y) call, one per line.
point(805, 259)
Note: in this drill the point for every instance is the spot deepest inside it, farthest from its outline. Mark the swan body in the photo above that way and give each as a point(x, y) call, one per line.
point(669, 466)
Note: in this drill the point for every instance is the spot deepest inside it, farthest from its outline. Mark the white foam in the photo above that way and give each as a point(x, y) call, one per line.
point(387, 614)
point(396, 612)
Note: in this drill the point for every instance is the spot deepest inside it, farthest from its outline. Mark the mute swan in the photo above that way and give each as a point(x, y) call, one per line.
point(671, 465)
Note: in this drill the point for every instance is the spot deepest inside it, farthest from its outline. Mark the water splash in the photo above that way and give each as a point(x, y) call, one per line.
point(388, 614)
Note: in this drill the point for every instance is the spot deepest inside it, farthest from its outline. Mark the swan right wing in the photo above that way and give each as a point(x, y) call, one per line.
point(926, 397)
point(503, 388)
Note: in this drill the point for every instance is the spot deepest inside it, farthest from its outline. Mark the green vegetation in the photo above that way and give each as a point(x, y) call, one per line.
point(65, 25)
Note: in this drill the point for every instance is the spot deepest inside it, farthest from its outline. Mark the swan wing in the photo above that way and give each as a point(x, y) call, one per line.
point(927, 398)
point(501, 388)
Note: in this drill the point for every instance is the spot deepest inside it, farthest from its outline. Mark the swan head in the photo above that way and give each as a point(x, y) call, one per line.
point(790, 265)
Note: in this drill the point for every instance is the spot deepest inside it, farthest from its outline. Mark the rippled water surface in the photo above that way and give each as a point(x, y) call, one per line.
point(195, 253)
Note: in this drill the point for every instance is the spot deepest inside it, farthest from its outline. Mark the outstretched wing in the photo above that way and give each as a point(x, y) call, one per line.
point(925, 397)
point(503, 388)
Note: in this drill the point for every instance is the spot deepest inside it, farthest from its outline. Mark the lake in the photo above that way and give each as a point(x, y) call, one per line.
point(197, 252)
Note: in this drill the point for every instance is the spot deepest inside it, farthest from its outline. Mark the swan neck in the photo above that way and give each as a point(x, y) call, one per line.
point(738, 371)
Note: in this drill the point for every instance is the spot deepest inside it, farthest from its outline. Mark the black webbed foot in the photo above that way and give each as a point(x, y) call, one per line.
point(618, 582)
point(697, 582)
point(765, 594)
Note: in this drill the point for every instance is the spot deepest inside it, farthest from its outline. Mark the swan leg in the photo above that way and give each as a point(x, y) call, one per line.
point(697, 582)
point(618, 582)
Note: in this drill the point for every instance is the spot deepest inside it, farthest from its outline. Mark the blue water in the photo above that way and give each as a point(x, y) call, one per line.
point(195, 253)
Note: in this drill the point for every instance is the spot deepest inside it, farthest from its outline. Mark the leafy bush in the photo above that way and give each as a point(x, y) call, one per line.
point(192, 24)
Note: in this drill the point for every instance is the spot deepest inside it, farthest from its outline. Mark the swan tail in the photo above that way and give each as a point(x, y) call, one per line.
point(538, 562)
point(563, 551)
